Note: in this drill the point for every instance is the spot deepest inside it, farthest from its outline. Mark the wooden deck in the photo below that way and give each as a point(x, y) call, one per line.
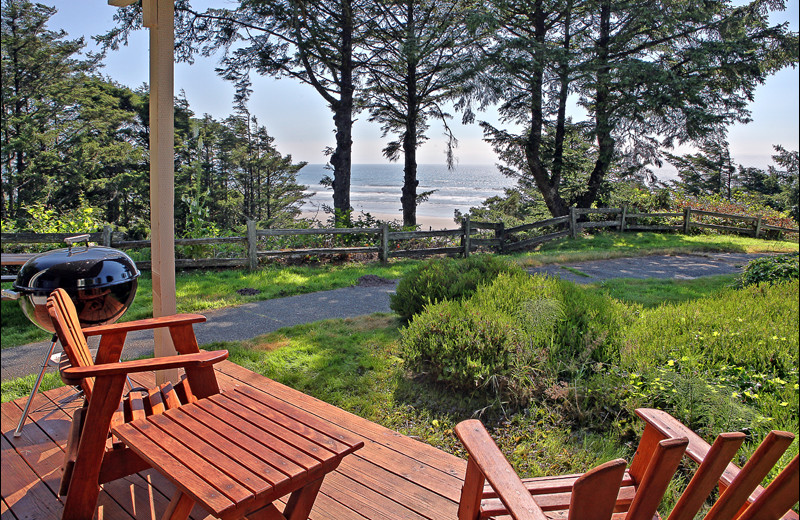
point(392, 477)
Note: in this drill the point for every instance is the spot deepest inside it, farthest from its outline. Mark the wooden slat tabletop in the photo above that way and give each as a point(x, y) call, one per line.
point(261, 450)
point(393, 477)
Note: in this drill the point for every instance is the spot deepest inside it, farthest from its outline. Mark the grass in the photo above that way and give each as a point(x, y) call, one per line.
point(199, 291)
point(21, 386)
point(574, 271)
point(655, 292)
point(618, 245)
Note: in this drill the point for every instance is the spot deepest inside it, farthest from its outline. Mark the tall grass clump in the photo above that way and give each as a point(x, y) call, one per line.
point(721, 363)
point(440, 279)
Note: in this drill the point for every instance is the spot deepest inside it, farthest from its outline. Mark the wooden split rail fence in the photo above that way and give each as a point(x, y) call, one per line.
point(472, 235)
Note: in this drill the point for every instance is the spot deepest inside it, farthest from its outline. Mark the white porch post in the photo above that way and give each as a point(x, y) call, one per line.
point(159, 18)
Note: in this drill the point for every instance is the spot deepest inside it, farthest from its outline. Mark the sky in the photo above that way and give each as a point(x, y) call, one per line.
point(302, 124)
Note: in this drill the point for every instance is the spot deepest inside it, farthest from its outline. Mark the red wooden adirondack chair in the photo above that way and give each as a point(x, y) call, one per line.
point(634, 493)
point(92, 457)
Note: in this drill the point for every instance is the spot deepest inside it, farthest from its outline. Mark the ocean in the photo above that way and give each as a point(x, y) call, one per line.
point(375, 189)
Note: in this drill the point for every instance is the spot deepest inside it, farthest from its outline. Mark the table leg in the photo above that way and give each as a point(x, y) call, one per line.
point(301, 501)
point(268, 512)
point(179, 507)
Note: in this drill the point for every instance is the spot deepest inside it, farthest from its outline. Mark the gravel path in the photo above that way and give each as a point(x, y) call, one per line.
point(372, 295)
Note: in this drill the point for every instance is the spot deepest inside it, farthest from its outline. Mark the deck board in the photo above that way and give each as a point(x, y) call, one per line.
point(392, 477)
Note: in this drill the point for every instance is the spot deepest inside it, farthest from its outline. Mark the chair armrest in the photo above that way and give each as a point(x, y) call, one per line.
point(497, 471)
point(76, 374)
point(150, 323)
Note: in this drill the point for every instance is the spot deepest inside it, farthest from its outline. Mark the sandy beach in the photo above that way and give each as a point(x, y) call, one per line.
point(425, 222)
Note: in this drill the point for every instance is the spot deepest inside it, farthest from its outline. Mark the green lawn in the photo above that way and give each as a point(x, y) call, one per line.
point(198, 291)
point(618, 245)
point(654, 292)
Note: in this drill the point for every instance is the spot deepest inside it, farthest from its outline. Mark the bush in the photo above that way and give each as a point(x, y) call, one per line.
point(516, 334)
point(460, 344)
point(774, 269)
point(445, 279)
point(592, 331)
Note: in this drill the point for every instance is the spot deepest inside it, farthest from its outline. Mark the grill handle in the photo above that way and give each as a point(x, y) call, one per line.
point(70, 241)
point(10, 295)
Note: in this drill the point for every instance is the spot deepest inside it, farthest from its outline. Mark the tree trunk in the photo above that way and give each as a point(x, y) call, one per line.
point(603, 109)
point(410, 182)
point(533, 143)
point(342, 159)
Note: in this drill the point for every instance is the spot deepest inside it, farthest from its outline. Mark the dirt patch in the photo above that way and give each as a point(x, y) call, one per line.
point(372, 280)
point(371, 323)
point(248, 291)
point(273, 343)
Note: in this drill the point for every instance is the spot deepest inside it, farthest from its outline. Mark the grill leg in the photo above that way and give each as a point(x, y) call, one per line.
point(18, 431)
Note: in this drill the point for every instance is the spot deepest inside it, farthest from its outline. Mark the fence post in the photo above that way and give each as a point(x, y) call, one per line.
point(107, 235)
point(687, 220)
point(573, 222)
point(466, 236)
point(758, 226)
point(622, 216)
point(500, 235)
point(383, 254)
point(252, 245)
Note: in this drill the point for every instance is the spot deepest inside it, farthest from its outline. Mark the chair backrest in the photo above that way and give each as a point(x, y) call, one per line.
point(740, 495)
point(68, 328)
point(593, 494)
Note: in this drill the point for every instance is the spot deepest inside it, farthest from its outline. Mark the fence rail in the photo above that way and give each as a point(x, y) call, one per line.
point(472, 236)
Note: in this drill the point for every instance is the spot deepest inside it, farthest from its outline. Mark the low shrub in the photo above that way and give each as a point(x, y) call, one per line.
point(772, 269)
point(462, 345)
point(592, 331)
point(445, 279)
point(516, 335)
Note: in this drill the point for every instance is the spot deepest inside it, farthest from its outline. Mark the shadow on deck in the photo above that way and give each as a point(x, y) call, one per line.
point(392, 477)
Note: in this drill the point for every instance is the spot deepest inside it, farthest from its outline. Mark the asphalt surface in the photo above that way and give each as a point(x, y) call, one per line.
point(253, 319)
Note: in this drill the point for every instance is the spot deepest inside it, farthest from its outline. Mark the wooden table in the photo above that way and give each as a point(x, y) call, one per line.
point(237, 452)
point(15, 258)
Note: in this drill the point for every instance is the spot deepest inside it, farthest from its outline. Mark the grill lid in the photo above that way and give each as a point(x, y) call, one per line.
point(75, 268)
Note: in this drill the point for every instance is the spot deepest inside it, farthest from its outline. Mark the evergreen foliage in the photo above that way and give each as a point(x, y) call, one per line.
point(649, 78)
point(441, 279)
point(418, 61)
point(74, 142)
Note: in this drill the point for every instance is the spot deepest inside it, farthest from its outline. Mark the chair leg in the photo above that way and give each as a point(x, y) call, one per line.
point(35, 388)
point(84, 486)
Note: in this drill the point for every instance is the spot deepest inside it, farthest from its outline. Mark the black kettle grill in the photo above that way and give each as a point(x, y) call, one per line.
point(101, 281)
